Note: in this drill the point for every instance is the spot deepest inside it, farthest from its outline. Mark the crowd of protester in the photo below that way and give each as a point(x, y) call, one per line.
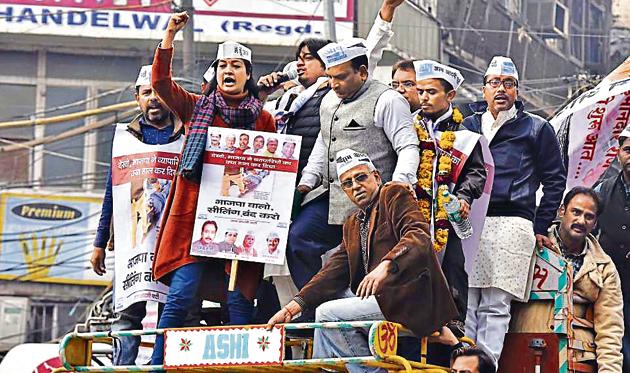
point(374, 166)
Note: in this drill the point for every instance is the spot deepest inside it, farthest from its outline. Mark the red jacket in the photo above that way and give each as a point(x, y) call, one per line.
point(173, 244)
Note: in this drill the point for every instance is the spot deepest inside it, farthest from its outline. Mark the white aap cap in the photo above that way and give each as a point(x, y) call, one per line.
point(348, 159)
point(273, 235)
point(231, 230)
point(502, 66)
point(334, 54)
point(232, 49)
point(427, 69)
point(624, 134)
point(144, 77)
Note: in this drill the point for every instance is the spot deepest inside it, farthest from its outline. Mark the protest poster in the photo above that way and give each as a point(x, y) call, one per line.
point(141, 180)
point(588, 128)
point(245, 197)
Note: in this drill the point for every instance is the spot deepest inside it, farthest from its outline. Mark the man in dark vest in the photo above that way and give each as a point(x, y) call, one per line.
point(614, 223)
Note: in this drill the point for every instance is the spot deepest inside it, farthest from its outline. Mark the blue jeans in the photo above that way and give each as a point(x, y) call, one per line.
point(310, 236)
point(332, 343)
point(182, 294)
point(126, 348)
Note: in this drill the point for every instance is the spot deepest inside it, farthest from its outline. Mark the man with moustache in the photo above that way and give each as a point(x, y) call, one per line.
point(614, 223)
point(156, 125)
point(526, 155)
point(385, 268)
point(215, 141)
point(205, 244)
point(596, 285)
point(272, 147)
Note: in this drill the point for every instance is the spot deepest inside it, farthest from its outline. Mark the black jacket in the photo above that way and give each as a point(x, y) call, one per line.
point(472, 178)
point(305, 123)
point(526, 154)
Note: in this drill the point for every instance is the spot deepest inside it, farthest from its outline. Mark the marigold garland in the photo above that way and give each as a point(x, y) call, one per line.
point(426, 202)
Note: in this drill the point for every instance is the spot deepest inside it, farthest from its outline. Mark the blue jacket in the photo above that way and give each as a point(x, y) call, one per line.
point(526, 154)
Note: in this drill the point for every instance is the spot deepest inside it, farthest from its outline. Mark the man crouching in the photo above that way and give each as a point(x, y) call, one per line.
point(385, 268)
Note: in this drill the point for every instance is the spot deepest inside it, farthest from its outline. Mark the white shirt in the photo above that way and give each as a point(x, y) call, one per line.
point(490, 126)
point(393, 115)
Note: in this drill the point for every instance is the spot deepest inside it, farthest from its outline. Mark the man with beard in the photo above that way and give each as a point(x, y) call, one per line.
point(614, 223)
point(596, 286)
point(154, 126)
point(526, 155)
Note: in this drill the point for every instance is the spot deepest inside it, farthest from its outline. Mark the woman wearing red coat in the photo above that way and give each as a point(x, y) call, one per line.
point(229, 100)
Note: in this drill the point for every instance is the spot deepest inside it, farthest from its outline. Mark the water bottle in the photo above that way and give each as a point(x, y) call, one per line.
point(462, 227)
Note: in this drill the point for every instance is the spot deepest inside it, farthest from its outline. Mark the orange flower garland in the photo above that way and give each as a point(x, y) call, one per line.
point(426, 195)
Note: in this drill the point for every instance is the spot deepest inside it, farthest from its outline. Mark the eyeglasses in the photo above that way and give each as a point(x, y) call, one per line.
point(508, 83)
point(407, 84)
point(360, 178)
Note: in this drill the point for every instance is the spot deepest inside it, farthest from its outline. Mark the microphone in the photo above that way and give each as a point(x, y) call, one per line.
point(282, 78)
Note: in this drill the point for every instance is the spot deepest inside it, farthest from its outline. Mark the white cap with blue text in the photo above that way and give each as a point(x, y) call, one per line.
point(348, 159)
point(232, 49)
point(334, 54)
point(427, 69)
point(502, 66)
point(144, 77)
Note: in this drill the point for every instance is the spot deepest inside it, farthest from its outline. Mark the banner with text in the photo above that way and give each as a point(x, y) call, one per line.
point(589, 127)
point(141, 180)
point(245, 198)
point(267, 22)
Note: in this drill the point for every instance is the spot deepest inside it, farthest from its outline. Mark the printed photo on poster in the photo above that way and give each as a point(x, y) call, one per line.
point(243, 211)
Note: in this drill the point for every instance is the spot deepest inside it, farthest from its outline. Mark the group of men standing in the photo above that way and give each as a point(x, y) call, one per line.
point(373, 167)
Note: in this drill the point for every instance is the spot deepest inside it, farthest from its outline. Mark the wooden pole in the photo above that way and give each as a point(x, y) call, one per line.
point(233, 270)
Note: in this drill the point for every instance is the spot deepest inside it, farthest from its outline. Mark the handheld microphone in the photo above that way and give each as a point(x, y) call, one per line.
point(282, 78)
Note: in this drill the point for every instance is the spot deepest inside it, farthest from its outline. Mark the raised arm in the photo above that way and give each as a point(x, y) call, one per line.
point(381, 33)
point(180, 101)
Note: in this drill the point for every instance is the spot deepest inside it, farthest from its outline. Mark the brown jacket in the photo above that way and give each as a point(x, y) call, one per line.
point(416, 294)
point(597, 283)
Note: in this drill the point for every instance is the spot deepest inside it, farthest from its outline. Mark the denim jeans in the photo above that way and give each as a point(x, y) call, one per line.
point(126, 348)
point(182, 294)
point(332, 343)
point(310, 237)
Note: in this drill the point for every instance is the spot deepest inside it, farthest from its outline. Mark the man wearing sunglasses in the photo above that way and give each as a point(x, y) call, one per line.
point(526, 155)
point(385, 267)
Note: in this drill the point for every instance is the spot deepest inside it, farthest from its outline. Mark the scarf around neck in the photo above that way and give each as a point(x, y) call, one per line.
point(241, 117)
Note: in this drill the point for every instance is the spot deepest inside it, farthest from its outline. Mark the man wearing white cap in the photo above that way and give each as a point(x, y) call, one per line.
point(359, 113)
point(526, 155)
point(439, 128)
point(384, 268)
point(614, 223)
point(154, 126)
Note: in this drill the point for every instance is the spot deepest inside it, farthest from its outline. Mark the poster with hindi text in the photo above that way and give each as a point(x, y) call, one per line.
point(245, 198)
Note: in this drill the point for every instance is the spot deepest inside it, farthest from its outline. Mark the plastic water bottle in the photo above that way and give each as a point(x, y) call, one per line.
point(462, 227)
